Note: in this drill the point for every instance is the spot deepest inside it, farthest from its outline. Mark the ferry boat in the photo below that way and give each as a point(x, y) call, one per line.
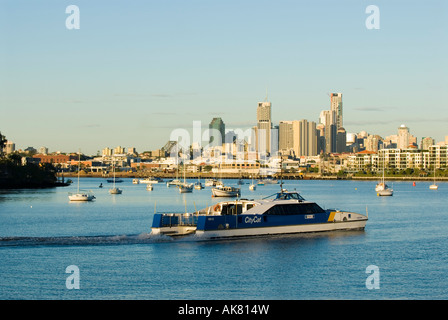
point(285, 213)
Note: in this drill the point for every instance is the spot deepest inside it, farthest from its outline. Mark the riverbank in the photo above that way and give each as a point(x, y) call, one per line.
point(286, 176)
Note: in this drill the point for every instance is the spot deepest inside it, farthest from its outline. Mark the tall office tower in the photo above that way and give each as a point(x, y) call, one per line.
point(328, 119)
point(264, 126)
point(336, 107)
point(341, 140)
point(217, 124)
point(305, 138)
point(320, 130)
point(312, 138)
point(403, 137)
point(286, 137)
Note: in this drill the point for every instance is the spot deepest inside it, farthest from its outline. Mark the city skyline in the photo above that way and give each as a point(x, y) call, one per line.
point(134, 72)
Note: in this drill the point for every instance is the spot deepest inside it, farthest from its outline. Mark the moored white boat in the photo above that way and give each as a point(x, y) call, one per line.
point(114, 189)
point(434, 186)
point(198, 186)
point(225, 191)
point(80, 195)
point(173, 183)
point(186, 187)
point(151, 180)
point(385, 192)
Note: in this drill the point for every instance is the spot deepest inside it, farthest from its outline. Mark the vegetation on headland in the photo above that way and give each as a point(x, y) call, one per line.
point(15, 175)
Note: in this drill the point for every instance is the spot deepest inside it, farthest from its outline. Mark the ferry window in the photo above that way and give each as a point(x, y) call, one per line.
point(230, 209)
point(303, 208)
point(225, 209)
point(249, 206)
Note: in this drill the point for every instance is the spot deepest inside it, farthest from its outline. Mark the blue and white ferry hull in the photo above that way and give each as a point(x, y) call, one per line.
point(259, 225)
point(242, 218)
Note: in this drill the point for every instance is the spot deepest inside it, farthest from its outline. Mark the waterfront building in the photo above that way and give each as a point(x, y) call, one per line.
point(438, 156)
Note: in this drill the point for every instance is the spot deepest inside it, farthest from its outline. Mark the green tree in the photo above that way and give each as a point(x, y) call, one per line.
point(2, 144)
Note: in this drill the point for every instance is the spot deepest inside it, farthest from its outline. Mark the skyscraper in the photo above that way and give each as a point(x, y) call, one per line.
point(336, 107)
point(328, 119)
point(403, 137)
point(286, 137)
point(341, 140)
point(217, 124)
point(299, 136)
point(264, 126)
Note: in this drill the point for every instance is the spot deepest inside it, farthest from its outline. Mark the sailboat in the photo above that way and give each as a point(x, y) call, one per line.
point(80, 195)
point(382, 189)
point(115, 190)
point(253, 186)
point(176, 182)
point(198, 185)
point(434, 186)
point(185, 187)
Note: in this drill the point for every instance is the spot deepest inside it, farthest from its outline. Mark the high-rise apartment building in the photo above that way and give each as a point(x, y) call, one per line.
point(264, 126)
point(341, 140)
point(426, 143)
point(336, 107)
point(299, 136)
point(217, 124)
point(403, 137)
point(286, 137)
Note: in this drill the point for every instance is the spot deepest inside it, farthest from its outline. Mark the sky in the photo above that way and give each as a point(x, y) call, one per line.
point(136, 70)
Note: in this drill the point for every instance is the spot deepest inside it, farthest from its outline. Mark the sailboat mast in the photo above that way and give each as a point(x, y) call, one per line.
point(79, 166)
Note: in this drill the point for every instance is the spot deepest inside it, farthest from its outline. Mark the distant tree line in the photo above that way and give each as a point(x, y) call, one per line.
point(15, 175)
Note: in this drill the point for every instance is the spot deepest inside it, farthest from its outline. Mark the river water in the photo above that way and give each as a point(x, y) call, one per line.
point(108, 242)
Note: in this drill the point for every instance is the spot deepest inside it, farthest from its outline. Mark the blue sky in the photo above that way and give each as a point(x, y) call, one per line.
point(137, 70)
